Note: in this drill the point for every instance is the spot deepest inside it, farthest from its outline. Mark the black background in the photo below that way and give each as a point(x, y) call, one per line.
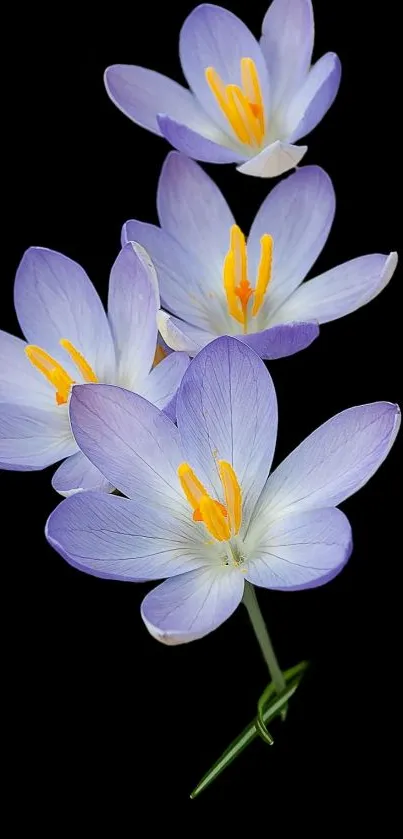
point(103, 718)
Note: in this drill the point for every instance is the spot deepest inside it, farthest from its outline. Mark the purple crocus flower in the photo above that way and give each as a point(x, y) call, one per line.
point(71, 339)
point(201, 509)
point(213, 284)
point(248, 103)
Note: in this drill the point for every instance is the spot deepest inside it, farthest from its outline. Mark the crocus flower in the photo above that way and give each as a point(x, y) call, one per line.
point(248, 103)
point(71, 339)
point(212, 284)
point(201, 509)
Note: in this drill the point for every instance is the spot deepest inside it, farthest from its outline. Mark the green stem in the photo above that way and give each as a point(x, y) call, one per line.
point(262, 635)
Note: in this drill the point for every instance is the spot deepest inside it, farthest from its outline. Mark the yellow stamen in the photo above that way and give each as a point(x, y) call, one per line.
point(52, 370)
point(55, 373)
point(242, 106)
point(160, 354)
point(192, 487)
point(263, 272)
point(237, 287)
point(214, 519)
point(221, 520)
point(251, 86)
point(232, 495)
point(79, 360)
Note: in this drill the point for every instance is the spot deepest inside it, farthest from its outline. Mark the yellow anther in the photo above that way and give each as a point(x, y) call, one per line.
point(55, 373)
point(263, 272)
point(243, 106)
point(52, 370)
point(221, 520)
point(232, 495)
point(160, 354)
point(214, 519)
point(237, 287)
point(79, 360)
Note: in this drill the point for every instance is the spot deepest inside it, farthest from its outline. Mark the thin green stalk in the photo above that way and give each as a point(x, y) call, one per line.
point(262, 635)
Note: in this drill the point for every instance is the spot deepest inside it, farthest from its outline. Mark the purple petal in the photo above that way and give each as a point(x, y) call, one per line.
point(341, 290)
point(32, 438)
point(298, 213)
point(214, 37)
point(273, 160)
point(54, 299)
point(299, 550)
point(227, 410)
point(335, 461)
point(197, 144)
point(181, 278)
point(132, 311)
point(131, 442)
point(315, 97)
point(280, 341)
point(120, 539)
point(161, 384)
point(182, 336)
point(190, 606)
point(20, 382)
point(287, 44)
point(192, 209)
point(77, 474)
point(142, 94)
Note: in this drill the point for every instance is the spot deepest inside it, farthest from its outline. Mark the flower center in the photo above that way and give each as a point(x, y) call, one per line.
point(242, 106)
point(55, 373)
point(235, 275)
point(221, 520)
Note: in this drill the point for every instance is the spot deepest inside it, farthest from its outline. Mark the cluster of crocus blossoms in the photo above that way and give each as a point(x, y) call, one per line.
point(161, 409)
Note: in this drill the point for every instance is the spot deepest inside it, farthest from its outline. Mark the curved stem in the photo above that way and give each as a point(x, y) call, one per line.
point(262, 635)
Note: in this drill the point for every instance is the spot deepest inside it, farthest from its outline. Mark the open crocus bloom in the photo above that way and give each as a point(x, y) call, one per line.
point(201, 509)
point(71, 339)
point(248, 103)
point(213, 284)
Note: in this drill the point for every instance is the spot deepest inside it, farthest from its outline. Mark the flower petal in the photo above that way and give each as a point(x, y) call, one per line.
point(287, 44)
point(192, 209)
point(20, 383)
point(339, 291)
point(179, 273)
point(182, 336)
point(280, 341)
point(298, 213)
point(300, 550)
point(119, 539)
point(77, 474)
point(190, 606)
point(141, 94)
point(206, 144)
point(227, 410)
point(32, 438)
point(335, 461)
point(162, 383)
point(131, 442)
point(132, 312)
point(55, 299)
point(214, 37)
point(273, 160)
point(315, 97)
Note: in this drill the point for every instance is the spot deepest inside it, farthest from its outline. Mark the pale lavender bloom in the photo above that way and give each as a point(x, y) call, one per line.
point(201, 509)
point(71, 339)
point(198, 244)
point(249, 103)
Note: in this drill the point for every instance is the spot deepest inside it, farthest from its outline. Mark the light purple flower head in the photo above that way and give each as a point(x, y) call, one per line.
point(71, 339)
point(202, 509)
point(248, 103)
point(212, 284)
